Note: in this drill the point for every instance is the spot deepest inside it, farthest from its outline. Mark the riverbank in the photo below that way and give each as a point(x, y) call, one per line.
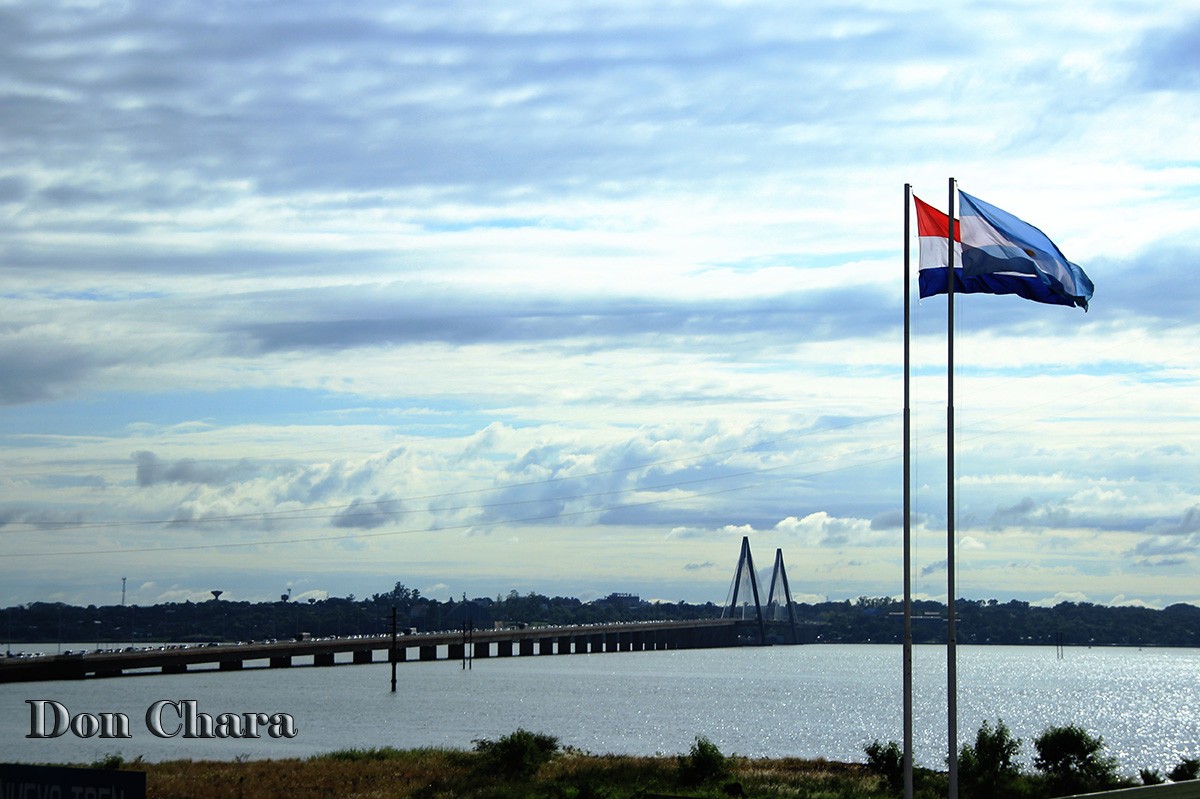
point(534, 765)
point(436, 773)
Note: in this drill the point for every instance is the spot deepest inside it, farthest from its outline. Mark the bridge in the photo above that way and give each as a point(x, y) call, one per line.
point(450, 645)
point(738, 626)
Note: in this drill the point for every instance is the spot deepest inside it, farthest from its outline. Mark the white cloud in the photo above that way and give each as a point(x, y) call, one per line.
point(821, 529)
point(1060, 597)
point(354, 277)
point(1120, 600)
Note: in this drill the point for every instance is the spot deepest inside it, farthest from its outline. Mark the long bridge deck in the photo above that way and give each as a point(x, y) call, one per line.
point(451, 645)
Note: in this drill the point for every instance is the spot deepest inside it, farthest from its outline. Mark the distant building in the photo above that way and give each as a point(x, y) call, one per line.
point(621, 600)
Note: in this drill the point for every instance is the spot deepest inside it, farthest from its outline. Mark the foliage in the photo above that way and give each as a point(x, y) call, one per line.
point(440, 774)
point(359, 755)
point(109, 762)
point(886, 760)
point(517, 755)
point(867, 619)
point(570, 774)
point(704, 763)
point(1188, 769)
point(1150, 776)
point(989, 767)
point(1072, 760)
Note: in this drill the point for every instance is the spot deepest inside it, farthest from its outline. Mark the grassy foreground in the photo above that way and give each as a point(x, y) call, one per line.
point(437, 773)
point(527, 764)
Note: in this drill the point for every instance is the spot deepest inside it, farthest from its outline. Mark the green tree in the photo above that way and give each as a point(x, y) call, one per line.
point(886, 760)
point(1072, 759)
point(703, 763)
point(989, 767)
point(517, 755)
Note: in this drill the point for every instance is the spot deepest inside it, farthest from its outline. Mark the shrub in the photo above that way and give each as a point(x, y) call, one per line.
point(703, 763)
point(109, 762)
point(989, 767)
point(1150, 776)
point(1188, 769)
point(1072, 759)
point(886, 760)
point(517, 755)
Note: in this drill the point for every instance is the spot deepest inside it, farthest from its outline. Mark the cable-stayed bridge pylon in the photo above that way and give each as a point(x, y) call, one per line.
point(779, 598)
point(744, 601)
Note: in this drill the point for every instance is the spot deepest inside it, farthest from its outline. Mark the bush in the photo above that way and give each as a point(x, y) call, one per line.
point(703, 763)
point(989, 767)
point(1188, 769)
point(1072, 760)
point(886, 760)
point(1150, 776)
point(109, 762)
point(517, 755)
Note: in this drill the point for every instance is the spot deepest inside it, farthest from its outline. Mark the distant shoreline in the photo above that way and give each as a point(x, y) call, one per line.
point(865, 620)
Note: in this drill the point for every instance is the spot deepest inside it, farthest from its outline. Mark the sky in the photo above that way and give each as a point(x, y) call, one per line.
point(570, 297)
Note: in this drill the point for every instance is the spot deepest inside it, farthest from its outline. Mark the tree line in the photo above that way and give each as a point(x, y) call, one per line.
point(1067, 760)
point(865, 620)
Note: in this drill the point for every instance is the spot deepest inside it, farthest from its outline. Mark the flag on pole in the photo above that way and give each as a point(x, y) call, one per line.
point(933, 254)
point(998, 253)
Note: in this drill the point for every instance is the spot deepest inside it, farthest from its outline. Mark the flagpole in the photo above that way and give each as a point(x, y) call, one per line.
point(907, 492)
point(951, 632)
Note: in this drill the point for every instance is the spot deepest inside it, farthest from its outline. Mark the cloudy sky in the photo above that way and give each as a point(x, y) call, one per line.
point(569, 297)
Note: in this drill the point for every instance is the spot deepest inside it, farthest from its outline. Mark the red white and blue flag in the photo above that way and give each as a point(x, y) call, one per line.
point(995, 253)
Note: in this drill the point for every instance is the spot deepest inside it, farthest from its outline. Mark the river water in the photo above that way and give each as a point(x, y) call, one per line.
point(808, 701)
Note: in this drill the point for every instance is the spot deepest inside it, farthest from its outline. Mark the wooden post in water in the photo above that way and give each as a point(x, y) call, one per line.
point(468, 642)
point(392, 653)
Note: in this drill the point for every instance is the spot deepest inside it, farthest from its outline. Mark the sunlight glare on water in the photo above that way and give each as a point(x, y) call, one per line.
point(808, 701)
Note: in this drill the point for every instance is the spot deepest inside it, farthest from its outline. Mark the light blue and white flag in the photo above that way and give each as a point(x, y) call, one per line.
point(996, 243)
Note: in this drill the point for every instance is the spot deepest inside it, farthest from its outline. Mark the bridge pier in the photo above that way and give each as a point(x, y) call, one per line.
point(616, 637)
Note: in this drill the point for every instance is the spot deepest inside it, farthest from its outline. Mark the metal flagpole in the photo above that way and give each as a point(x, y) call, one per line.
point(951, 632)
point(907, 482)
